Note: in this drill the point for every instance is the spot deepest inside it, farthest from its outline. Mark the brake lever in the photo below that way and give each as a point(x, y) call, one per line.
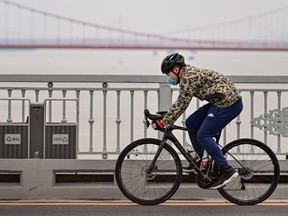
point(147, 122)
point(146, 112)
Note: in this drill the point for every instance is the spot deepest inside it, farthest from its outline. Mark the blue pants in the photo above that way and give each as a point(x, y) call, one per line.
point(208, 121)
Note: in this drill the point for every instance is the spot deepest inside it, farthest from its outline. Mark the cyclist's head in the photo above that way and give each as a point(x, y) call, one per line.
point(170, 61)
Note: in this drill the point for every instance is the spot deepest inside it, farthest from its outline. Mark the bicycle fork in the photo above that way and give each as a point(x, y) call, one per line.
point(152, 164)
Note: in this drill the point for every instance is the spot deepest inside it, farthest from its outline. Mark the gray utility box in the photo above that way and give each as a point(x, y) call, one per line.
point(37, 138)
point(14, 140)
point(14, 133)
point(61, 136)
point(37, 113)
point(60, 140)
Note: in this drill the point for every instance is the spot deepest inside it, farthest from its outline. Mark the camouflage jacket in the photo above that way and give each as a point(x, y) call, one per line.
point(204, 84)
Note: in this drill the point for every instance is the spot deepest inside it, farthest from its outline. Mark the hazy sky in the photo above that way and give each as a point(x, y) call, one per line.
point(148, 16)
point(156, 16)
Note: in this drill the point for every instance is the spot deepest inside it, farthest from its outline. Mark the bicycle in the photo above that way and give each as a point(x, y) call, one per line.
point(149, 171)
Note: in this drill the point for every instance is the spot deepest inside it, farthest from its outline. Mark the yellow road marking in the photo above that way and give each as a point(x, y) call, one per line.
point(99, 203)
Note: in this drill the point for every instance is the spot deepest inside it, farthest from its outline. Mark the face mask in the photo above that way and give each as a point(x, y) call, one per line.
point(171, 81)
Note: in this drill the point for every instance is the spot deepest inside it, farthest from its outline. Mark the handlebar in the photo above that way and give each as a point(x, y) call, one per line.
point(153, 117)
point(160, 115)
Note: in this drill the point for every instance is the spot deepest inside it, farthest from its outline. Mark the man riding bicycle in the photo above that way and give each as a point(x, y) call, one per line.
point(224, 104)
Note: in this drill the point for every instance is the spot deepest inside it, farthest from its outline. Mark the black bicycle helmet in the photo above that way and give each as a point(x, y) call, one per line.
point(171, 60)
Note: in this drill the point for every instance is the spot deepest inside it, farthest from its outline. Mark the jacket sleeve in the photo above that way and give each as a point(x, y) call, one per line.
point(180, 105)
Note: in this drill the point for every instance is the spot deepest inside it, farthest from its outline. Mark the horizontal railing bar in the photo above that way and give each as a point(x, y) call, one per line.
point(82, 78)
point(261, 90)
point(81, 89)
point(255, 90)
point(117, 153)
point(14, 123)
point(259, 79)
point(123, 89)
point(98, 153)
point(60, 123)
point(125, 78)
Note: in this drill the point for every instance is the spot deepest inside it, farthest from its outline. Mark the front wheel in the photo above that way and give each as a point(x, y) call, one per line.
point(148, 188)
point(258, 170)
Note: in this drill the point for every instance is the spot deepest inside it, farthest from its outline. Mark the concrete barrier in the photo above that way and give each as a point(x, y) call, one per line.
point(38, 179)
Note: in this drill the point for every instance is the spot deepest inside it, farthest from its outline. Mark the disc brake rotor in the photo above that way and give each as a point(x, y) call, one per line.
point(149, 176)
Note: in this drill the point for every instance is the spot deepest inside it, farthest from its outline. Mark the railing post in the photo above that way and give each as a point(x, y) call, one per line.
point(50, 91)
point(132, 114)
point(37, 95)
point(165, 97)
point(279, 108)
point(184, 125)
point(23, 91)
point(265, 111)
point(252, 112)
point(164, 103)
point(252, 116)
point(145, 107)
point(104, 155)
point(118, 121)
point(9, 120)
point(91, 120)
point(77, 118)
point(64, 120)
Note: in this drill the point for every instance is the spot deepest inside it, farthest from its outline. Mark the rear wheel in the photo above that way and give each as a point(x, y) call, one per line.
point(258, 170)
point(148, 188)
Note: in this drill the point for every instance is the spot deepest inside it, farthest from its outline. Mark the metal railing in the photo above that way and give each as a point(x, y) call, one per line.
point(110, 107)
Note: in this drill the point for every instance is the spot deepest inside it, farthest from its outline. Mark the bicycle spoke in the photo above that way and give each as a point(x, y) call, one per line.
point(148, 188)
point(258, 173)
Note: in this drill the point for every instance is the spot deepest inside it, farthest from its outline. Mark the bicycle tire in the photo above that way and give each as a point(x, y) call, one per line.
point(132, 179)
point(260, 182)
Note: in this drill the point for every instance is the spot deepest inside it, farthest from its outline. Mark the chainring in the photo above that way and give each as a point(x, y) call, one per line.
point(203, 182)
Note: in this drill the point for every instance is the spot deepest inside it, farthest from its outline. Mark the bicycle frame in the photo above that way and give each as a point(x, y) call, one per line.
point(168, 135)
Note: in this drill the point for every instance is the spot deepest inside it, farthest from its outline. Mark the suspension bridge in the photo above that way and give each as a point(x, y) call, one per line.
point(24, 27)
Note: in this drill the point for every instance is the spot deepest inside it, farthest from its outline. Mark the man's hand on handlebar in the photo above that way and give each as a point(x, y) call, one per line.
point(157, 124)
point(155, 120)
